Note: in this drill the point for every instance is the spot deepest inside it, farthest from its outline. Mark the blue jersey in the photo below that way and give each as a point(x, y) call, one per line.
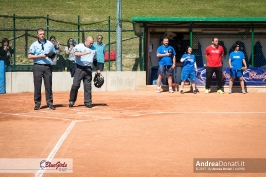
point(167, 60)
point(189, 64)
point(40, 48)
point(236, 59)
point(85, 60)
point(100, 51)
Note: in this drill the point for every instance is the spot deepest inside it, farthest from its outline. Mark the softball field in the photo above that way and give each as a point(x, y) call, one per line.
point(135, 133)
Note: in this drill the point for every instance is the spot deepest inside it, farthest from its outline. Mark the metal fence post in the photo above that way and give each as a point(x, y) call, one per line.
point(143, 42)
point(26, 42)
point(118, 35)
point(14, 35)
point(191, 35)
point(109, 40)
point(78, 28)
point(47, 27)
point(252, 46)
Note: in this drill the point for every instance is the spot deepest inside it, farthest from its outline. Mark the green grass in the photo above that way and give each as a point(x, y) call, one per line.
point(99, 10)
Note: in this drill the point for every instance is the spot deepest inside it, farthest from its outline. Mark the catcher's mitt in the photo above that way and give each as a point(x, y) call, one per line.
point(98, 80)
point(51, 55)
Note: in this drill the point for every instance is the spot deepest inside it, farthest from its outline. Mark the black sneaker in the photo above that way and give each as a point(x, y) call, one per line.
point(88, 105)
point(181, 91)
point(50, 106)
point(71, 104)
point(37, 106)
point(194, 91)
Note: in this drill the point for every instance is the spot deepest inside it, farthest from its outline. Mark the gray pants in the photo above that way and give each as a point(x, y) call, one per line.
point(83, 73)
point(42, 72)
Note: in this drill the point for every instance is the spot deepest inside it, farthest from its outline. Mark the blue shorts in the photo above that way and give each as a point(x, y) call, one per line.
point(191, 75)
point(165, 70)
point(236, 73)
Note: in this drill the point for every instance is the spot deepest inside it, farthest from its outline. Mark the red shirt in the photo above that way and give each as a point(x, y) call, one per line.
point(214, 56)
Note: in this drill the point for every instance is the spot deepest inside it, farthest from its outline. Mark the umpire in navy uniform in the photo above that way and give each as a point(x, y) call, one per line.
point(42, 69)
point(85, 56)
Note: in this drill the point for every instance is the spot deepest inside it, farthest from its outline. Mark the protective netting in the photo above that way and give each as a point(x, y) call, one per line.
point(24, 29)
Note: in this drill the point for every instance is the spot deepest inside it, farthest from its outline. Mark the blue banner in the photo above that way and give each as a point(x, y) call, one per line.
point(2, 77)
point(252, 76)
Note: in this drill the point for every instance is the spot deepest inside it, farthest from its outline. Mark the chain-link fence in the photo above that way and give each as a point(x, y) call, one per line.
point(254, 56)
point(21, 32)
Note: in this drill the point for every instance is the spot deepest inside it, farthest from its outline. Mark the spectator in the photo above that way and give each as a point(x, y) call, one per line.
point(70, 54)
point(56, 45)
point(6, 52)
point(100, 49)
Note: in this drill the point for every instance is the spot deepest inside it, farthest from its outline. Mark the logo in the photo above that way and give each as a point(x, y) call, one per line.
point(246, 75)
point(203, 75)
point(44, 164)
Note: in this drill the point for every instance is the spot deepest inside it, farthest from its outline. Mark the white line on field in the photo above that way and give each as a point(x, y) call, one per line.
point(26, 115)
point(208, 112)
point(57, 146)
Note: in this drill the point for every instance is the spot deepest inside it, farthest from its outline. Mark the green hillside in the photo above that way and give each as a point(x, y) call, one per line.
point(99, 9)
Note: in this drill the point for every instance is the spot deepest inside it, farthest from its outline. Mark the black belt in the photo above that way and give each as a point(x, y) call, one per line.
point(42, 64)
point(83, 67)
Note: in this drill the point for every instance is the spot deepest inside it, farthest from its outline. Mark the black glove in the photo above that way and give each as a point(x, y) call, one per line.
point(50, 55)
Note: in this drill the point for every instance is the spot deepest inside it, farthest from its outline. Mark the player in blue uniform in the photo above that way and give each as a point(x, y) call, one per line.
point(166, 55)
point(189, 69)
point(235, 62)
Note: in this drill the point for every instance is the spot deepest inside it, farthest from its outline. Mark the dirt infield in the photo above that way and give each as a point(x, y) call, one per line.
point(138, 133)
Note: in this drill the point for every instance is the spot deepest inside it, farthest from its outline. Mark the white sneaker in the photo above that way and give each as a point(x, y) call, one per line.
point(230, 91)
point(158, 91)
point(171, 91)
point(244, 92)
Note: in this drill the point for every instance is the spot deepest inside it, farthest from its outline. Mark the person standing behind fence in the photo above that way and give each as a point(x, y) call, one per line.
point(42, 69)
point(189, 69)
point(214, 57)
point(101, 49)
point(57, 48)
point(6, 52)
point(235, 62)
point(85, 54)
point(166, 55)
point(70, 54)
point(57, 45)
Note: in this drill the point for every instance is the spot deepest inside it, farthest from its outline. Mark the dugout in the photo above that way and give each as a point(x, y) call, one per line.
point(198, 33)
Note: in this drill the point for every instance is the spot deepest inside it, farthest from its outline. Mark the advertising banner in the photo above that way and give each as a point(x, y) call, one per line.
point(252, 77)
